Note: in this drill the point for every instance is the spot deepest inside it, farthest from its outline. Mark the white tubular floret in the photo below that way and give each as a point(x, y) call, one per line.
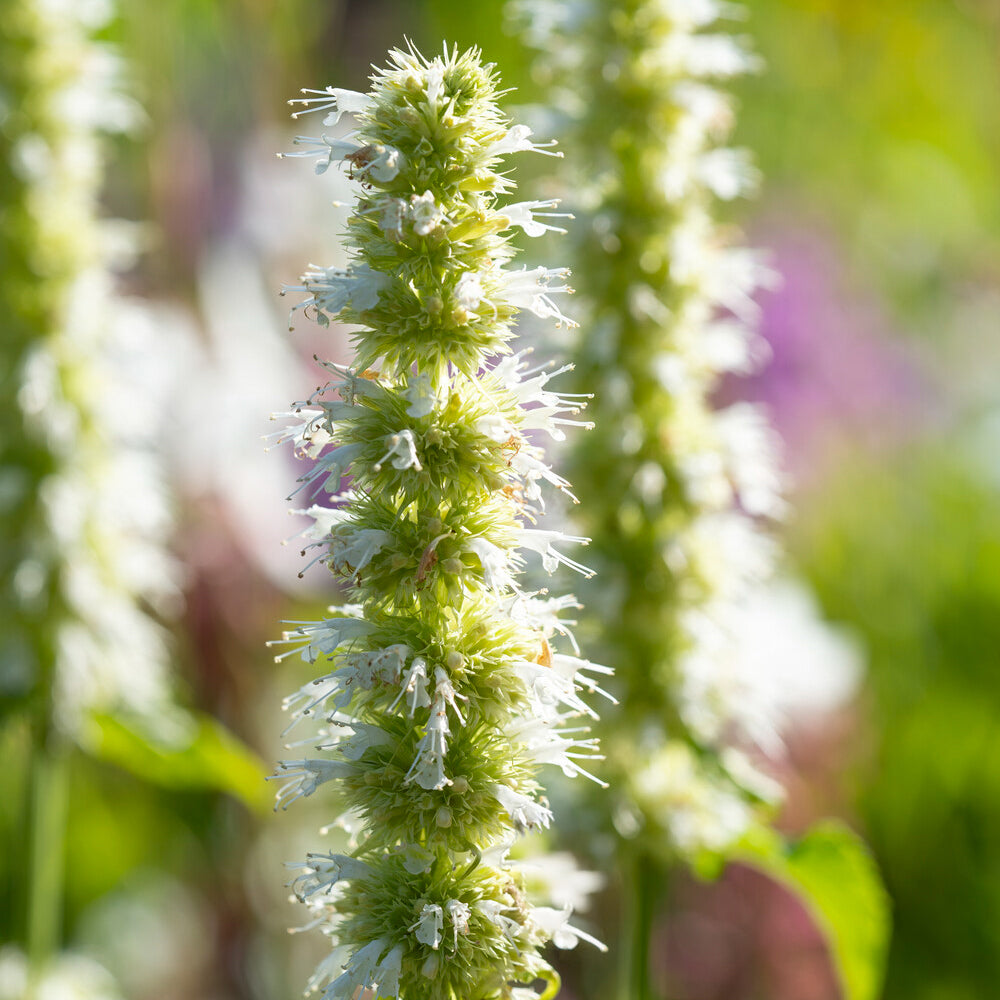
point(333, 100)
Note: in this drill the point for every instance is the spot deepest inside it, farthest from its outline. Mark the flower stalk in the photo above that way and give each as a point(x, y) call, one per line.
point(83, 517)
point(678, 494)
point(442, 690)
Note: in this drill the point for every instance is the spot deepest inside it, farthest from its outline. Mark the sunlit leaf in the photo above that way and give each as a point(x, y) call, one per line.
point(832, 871)
point(194, 752)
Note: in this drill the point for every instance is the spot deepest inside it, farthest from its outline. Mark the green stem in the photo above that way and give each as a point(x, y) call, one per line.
point(47, 834)
point(646, 888)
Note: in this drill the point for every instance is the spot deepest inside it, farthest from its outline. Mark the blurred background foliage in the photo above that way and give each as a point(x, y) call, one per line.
point(877, 127)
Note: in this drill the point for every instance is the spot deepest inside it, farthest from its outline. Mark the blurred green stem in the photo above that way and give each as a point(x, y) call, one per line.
point(47, 793)
point(646, 887)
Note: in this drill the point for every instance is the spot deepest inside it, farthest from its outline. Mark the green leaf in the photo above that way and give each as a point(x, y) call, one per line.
point(835, 876)
point(189, 750)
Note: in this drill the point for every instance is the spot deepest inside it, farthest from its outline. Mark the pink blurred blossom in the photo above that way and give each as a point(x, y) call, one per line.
point(842, 376)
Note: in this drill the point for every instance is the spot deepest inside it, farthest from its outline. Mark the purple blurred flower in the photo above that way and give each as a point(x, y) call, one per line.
point(841, 376)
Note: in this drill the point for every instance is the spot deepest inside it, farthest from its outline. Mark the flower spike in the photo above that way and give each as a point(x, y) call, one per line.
point(434, 707)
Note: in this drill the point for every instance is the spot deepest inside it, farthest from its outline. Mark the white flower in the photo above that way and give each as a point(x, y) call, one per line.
point(316, 693)
point(376, 162)
point(427, 769)
point(393, 214)
point(308, 435)
point(425, 213)
point(324, 520)
point(701, 811)
point(732, 347)
point(330, 966)
point(709, 109)
point(555, 924)
point(546, 745)
point(380, 163)
point(469, 291)
point(349, 384)
point(750, 446)
point(402, 449)
point(414, 686)
point(324, 146)
point(530, 468)
point(516, 140)
point(388, 972)
point(727, 276)
point(428, 927)
point(706, 484)
point(364, 737)
point(575, 670)
point(362, 670)
point(747, 672)
point(549, 690)
point(557, 877)
point(89, 379)
point(330, 468)
point(728, 173)
point(332, 289)
point(434, 78)
point(718, 56)
point(495, 427)
point(385, 665)
point(338, 102)
point(541, 409)
point(543, 614)
point(323, 871)
point(314, 639)
point(354, 550)
point(688, 15)
point(730, 551)
point(532, 290)
point(388, 701)
point(495, 562)
point(420, 394)
point(307, 776)
point(445, 694)
point(459, 913)
point(540, 541)
point(526, 215)
point(525, 813)
point(364, 970)
point(493, 911)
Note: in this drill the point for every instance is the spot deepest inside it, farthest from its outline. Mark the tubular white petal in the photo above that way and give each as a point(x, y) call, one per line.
point(524, 812)
point(338, 102)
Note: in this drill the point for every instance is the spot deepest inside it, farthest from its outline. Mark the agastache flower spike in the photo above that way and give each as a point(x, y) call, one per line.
point(440, 673)
point(692, 487)
point(86, 581)
point(85, 507)
point(680, 495)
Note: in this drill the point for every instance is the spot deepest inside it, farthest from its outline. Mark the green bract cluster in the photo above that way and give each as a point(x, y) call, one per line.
point(441, 694)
